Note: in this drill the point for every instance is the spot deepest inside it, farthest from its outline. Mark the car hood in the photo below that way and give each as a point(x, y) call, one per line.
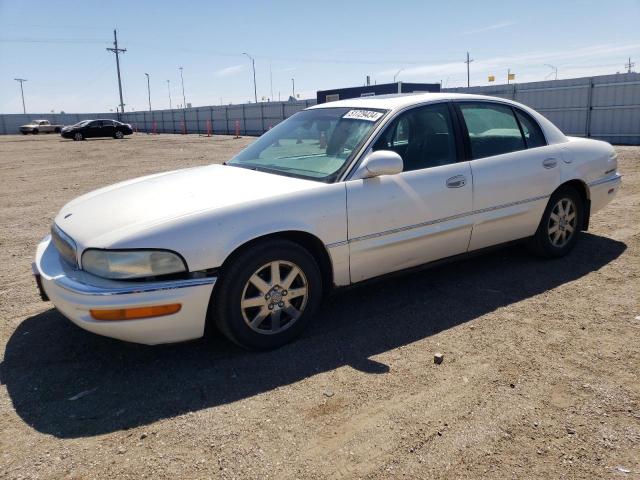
point(102, 217)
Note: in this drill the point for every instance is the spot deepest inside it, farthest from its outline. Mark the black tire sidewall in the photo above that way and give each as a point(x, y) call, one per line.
point(227, 297)
point(542, 238)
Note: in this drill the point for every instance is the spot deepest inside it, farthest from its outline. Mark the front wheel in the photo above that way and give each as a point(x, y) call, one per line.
point(268, 295)
point(560, 226)
point(119, 135)
point(34, 131)
point(78, 136)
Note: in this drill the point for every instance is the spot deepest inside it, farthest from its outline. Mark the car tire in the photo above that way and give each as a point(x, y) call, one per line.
point(118, 135)
point(257, 312)
point(57, 130)
point(560, 225)
point(25, 133)
point(34, 131)
point(78, 136)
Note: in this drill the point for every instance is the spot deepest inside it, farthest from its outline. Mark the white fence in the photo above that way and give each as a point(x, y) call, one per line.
point(248, 119)
point(605, 107)
point(10, 123)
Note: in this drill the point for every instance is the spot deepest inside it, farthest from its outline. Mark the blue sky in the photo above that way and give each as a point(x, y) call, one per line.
point(60, 46)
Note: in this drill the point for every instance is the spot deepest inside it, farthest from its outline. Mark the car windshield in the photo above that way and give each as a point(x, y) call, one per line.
point(316, 144)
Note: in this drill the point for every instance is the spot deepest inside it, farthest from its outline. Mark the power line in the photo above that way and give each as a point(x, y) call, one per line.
point(22, 80)
point(117, 51)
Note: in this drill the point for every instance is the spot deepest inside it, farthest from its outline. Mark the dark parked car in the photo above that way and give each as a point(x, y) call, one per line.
point(97, 128)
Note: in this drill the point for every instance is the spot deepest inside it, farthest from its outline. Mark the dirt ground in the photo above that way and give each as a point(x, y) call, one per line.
point(540, 377)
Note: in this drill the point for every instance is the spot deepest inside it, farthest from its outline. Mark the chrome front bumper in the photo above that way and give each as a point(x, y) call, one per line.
point(75, 293)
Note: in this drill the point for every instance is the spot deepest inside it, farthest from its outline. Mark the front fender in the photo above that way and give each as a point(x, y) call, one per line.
point(205, 239)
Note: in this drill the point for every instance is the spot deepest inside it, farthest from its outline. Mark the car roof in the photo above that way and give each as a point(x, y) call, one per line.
point(400, 101)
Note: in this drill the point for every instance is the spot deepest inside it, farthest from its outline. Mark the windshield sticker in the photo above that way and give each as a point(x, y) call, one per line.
point(369, 115)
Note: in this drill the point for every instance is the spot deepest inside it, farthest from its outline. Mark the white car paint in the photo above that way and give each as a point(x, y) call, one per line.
point(368, 226)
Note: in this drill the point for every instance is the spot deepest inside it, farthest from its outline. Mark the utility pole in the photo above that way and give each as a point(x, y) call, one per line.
point(148, 90)
point(293, 87)
point(169, 90)
point(184, 99)
point(468, 61)
point(629, 65)
point(118, 51)
point(508, 75)
point(271, 80)
point(253, 64)
point(22, 80)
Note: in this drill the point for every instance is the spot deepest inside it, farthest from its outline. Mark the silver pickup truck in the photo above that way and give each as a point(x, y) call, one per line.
point(40, 126)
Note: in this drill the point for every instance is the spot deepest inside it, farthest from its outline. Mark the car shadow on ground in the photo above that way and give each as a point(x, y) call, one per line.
point(48, 361)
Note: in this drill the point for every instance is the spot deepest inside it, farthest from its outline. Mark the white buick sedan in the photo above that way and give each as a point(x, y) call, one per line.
point(337, 194)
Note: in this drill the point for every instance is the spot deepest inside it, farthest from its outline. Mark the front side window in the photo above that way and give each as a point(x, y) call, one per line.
point(423, 137)
point(96, 124)
point(316, 144)
point(493, 129)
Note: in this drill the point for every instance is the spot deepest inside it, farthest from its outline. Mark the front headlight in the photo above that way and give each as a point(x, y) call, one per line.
point(129, 264)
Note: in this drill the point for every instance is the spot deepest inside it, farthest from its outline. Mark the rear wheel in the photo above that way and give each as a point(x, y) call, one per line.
point(57, 130)
point(560, 226)
point(268, 295)
point(78, 136)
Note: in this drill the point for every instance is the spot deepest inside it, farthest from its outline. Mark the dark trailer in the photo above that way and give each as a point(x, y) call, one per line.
point(324, 96)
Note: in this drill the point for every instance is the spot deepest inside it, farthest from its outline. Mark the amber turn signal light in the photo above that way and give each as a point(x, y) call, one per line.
point(135, 313)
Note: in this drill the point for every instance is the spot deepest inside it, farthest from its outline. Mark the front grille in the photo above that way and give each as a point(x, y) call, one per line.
point(65, 245)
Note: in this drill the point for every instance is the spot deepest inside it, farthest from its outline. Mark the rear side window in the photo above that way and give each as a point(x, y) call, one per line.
point(531, 130)
point(493, 129)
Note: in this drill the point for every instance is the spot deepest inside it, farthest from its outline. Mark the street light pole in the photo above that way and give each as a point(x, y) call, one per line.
point(184, 99)
point(293, 88)
point(253, 64)
point(148, 90)
point(22, 80)
point(169, 90)
point(396, 75)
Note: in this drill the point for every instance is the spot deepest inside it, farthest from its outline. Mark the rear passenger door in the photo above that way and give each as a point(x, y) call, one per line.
point(108, 128)
point(514, 171)
point(94, 129)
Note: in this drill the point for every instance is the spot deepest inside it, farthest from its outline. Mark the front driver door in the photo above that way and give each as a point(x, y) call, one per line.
point(419, 215)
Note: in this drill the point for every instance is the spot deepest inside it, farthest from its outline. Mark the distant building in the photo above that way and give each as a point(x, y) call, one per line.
point(324, 96)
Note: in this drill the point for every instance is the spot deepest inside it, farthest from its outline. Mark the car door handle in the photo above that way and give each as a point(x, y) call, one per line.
point(456, 182)
point(550, 163)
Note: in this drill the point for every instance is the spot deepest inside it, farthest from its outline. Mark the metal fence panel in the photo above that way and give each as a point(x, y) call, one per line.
point(606, 107)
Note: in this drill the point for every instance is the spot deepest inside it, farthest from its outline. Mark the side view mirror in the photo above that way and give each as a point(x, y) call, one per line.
point(381, 162)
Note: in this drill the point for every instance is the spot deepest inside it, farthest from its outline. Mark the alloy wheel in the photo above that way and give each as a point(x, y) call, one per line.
point(274, 297)
point(562, 222)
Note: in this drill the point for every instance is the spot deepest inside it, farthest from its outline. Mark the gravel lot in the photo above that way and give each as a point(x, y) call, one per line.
point(539, 379)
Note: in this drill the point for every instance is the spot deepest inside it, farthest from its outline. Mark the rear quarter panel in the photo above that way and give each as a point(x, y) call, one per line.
point(592, 162)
